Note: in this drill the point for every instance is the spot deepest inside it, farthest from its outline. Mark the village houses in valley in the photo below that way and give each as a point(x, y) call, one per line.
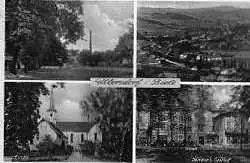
point(65, 133)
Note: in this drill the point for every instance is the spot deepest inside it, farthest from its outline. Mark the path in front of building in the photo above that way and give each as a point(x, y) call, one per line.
point(159, 157)
point(76, 156)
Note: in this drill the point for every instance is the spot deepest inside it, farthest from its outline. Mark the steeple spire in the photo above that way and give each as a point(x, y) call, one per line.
point(51, 112)
point(51, 102)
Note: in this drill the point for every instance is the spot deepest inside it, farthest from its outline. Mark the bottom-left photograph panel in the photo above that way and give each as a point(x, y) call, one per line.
point(67, 122)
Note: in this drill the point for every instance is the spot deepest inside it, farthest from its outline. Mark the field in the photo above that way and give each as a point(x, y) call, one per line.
point(79, 73)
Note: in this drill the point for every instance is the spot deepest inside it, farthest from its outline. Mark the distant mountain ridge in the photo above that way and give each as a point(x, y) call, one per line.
point(210, 17)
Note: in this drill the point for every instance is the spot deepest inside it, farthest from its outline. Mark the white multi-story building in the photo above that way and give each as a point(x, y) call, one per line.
point(175, 129)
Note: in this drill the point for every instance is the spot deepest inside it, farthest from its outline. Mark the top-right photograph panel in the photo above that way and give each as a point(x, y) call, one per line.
point(194, 41)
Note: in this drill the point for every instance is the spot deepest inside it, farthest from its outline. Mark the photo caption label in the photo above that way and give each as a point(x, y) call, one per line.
point(136, 82)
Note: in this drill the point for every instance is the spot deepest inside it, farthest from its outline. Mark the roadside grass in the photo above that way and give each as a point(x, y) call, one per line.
point(81, 73)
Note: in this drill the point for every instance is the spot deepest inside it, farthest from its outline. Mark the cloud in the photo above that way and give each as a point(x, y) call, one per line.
point(68, 111)
point(106, 28)
point(66, 101)
point(222, 94)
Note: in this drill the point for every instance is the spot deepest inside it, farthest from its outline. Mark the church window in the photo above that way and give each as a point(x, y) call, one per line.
point(71, 138)
point(51, 114)
point(82, 137)
point(95, 136)
point(31, 142)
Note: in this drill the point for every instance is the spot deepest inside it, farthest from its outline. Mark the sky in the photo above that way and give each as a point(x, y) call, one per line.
point(221, 94)
point(66, 101)
point(107, 20)
point(192, 4)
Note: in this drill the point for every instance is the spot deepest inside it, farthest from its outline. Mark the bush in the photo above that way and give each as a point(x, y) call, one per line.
point(88, 147)
point(48, 147)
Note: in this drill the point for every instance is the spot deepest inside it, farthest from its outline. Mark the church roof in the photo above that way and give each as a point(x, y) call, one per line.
point(75, 126)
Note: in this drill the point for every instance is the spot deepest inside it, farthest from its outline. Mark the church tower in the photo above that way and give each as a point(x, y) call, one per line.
point(51, 112)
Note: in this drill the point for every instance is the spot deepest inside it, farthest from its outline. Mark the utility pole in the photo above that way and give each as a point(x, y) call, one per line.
point(90, 42)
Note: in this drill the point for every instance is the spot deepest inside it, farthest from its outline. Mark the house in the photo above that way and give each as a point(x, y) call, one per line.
point(232, 128)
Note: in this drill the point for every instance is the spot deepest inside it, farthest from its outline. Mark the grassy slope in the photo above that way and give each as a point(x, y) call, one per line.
point(82, 73)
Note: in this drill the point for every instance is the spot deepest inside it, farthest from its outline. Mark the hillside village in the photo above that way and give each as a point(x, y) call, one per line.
point(184, 41)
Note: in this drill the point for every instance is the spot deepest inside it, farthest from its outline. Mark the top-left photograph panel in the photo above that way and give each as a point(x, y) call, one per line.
point(68, 40)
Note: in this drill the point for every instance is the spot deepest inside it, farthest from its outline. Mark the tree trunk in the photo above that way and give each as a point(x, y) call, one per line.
point(14, 63)
point(158, 126)
point(125, 151)
point(150, 128)
point(241, 132)
point(185, 128)
point(171, 126)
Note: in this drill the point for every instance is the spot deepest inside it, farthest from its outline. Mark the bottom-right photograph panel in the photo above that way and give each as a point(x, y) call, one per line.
point(194, 123)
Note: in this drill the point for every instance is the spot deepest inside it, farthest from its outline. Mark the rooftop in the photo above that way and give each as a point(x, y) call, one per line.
point(75, 126)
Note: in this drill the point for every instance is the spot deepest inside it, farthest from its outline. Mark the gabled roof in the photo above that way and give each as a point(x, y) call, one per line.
point(229, 114)
point(75, 126)
point(55, 128)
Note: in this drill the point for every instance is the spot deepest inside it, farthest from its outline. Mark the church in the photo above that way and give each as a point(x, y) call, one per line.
point(65, 133)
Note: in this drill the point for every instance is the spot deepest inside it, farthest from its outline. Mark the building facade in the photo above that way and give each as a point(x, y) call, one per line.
point(182, 125)
point(232, 128)
point(79, 132)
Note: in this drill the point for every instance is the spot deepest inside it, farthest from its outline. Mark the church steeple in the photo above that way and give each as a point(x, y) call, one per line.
point(51, 112)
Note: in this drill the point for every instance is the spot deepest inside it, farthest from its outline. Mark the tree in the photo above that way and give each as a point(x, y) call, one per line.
point(242, 98)
point(36, 28)
point(114, 107)
point(47, 145)
point(186, 100)
point(240, 104)
point(124, 48)
point(21, 114)
point(157, 101)
point(187, 104)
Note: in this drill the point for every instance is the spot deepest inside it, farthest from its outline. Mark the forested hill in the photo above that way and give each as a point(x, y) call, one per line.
point(154, 19)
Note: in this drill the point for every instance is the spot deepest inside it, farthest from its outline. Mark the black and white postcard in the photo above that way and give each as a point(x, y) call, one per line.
point(125, 81)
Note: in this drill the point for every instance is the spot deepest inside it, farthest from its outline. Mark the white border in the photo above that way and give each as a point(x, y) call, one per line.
point(135, 41)
point(2, 56)
point(215, 83)
point(134, 126)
